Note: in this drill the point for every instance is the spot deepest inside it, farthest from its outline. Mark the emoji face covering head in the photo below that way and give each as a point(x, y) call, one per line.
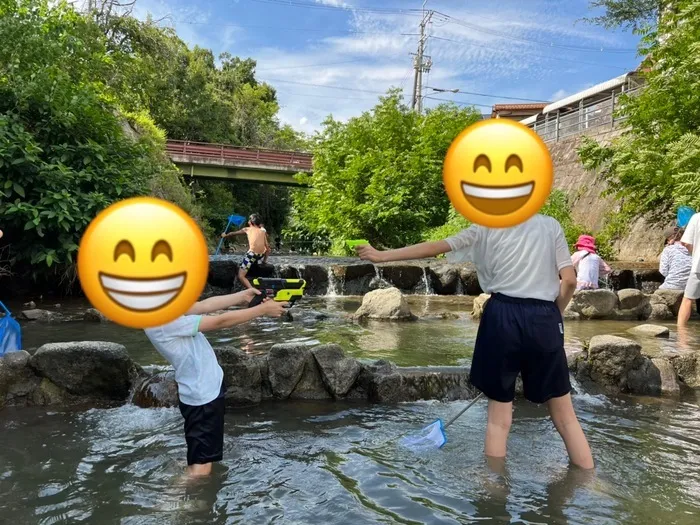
point(143, 262)
point(498, 173)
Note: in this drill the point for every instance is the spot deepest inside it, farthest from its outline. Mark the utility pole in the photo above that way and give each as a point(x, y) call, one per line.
point(421, 63)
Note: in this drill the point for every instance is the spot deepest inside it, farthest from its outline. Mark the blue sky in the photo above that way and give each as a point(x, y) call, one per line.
point(530, 49)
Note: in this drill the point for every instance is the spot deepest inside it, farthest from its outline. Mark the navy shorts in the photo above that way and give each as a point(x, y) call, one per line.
point(204, 430)
point(251, 258)
point(520, 336)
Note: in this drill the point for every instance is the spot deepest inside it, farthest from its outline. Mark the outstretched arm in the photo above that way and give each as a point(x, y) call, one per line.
point(217, 322)
point(232, 234)
point(417, 251)
point(222, 302)
point(567, 287)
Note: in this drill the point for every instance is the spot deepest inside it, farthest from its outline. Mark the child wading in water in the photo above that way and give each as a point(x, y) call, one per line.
point(258, 246)
point(588, 264)
point(200, 379)
point(521, 330)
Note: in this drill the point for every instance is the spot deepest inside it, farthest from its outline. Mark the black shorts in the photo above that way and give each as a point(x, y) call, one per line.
point(523, 336)
point(204, 430)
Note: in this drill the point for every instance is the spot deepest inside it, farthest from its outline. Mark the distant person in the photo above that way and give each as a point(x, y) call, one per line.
point(588, 264)
point(521, 330)
point(278, 243)
point(258, 247)
point(691, 240)
point(675, 262)
point(199, 377)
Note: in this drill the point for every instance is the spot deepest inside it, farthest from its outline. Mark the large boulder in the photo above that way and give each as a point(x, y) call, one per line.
point(92, 315)
point(17, 378)
point(479, 304)
point(310, 385)
point(285, 365)
point(648, 280)
point(242, 376)
point(633, 304)
point(610, 359)
point(470, 281)
point(354, 279)
point(88, 368)
point(650, 330)
point(404, 277)
point(157, 391)
point(222, 272)
point(621, 279)
point(669, 378)
point(316, 278)
point(447, 280)
point(686, 363)
point(594, 304)
point(672, 299)
point(660, 312)
point(387, 305)
point(338, 371)
point(38, 315)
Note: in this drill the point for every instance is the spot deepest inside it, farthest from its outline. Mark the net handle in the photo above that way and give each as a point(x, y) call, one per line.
point(464, 410)
point(2, 305)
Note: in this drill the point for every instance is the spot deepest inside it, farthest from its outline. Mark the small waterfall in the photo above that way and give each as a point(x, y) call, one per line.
point(332, 284)
point(378, 281)
point(426, 283)
point(298, 270)
point(460, 287)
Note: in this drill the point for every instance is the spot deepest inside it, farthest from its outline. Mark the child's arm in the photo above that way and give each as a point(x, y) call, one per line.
point(217, 322)
point(604, 268)
point(567, 287)
point(231, 234)
point(222, 302)
point(417, 251)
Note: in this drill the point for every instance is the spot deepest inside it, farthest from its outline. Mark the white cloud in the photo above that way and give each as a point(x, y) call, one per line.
point(303, 121)
point(559, 94)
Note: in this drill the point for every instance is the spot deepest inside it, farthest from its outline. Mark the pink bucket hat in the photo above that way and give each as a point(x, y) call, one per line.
point(585, 242)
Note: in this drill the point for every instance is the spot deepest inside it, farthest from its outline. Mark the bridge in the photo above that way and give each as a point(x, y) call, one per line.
point(222, 162)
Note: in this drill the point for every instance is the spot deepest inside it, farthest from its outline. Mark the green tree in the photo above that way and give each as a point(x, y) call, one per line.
point(379, 176)
point(633, 14)
point(654, 165)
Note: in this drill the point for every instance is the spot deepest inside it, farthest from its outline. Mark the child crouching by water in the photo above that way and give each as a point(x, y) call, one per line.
point(521, 330)
point(200, 379)
point(589, 266)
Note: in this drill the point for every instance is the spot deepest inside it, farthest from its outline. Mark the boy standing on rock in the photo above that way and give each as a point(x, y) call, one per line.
point(528, 272)
point(258, 246)
point(200, 379)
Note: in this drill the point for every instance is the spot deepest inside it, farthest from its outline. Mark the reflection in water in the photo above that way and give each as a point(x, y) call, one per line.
point(332, 463)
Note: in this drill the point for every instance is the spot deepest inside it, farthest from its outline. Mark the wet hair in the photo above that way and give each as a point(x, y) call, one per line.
point(255, 219)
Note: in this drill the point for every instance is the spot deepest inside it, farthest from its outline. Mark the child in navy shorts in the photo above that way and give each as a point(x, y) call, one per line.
point(528, 272)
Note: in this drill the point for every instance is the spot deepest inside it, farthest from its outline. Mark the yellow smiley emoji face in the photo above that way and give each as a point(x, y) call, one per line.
point(143, 262)
point(498, 173)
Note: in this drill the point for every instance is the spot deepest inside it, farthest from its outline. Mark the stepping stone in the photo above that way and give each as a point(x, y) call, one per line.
point(650, 330)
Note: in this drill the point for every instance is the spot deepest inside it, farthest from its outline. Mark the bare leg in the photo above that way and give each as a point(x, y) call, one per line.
point(562, 411)
point(199, 470)
point(500, 416)
point(242, 278)
point(684, 311)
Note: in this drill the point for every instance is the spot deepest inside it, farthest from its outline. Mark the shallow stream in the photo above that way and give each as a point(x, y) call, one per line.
point(333, 463)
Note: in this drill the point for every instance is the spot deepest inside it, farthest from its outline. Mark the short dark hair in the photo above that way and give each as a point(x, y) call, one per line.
point(255, 219)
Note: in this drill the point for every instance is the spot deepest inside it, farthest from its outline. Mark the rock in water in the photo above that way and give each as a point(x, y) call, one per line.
point(479, 304)
point(87, 368)
point(630, 298)
point(669, 379)
point(157, 391)
point(17, 379)
point(285, 368)
point(94, 316)
point(610, 358)
point(660, 312)
point(338, 371)
point(242, 375)
point(38, 315)
point(651, 330)
point(594, 304)
point(31, 305)
point(671, 298)
point(387, 305)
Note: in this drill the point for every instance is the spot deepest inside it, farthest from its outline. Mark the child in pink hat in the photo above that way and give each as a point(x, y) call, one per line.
point(588, 264)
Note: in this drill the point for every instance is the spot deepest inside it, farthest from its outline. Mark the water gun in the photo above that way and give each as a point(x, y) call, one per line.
point(355, 243)
point(282, 290)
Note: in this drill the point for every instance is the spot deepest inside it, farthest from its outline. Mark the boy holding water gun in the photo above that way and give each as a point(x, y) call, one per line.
point(527, 270)
point(258, 247)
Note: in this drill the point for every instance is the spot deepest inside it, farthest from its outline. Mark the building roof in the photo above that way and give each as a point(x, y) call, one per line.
point(517, 107)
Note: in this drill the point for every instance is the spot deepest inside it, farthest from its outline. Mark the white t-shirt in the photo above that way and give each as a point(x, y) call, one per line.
point(521, 261)
point(197, 372)
point(692, 236)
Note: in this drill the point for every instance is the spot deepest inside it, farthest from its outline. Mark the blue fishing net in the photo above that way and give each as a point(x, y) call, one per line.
point(237, 220)
point(10, 333)
point(431, 437)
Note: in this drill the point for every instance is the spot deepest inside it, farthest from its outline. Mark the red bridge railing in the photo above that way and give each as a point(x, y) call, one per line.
point(294, 159)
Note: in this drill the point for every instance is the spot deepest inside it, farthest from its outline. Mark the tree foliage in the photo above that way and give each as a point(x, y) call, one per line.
point(655, 164)
point(379, 176)
point(628, 14)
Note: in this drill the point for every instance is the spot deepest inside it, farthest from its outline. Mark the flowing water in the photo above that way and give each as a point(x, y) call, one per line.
point(335, 463)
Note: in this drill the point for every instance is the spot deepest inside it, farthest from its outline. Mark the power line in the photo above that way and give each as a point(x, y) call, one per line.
point(376, 10)
point(290, 28)
point(494, 32)
point(367, 97)
point(459, 91)
point(549, 57)
point(458, 102)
